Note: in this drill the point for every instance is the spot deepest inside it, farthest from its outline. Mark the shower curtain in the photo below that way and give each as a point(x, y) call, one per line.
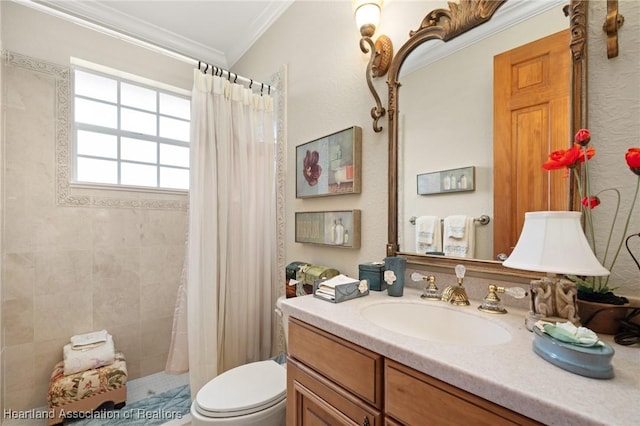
point(230, 265)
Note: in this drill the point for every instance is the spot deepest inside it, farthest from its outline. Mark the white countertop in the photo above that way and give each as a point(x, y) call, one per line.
point(509, 374)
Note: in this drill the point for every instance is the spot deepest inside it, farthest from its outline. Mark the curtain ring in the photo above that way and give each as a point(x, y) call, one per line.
point(251, 84)
point(206, 68)
point(235, 78)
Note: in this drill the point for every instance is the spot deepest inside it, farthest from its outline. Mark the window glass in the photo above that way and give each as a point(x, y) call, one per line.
point(174, 178)
point(138, 121)
point(96, 113)
point(171, 155)
point(95, 86)
point(138, 150)
point(138, 174)
point(97, 144)
point(174, 129)
point(97, 171)
point(129, 133)
point(138, 97)
point(175, 106)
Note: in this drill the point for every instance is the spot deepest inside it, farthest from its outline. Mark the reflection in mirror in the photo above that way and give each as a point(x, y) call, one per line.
point(448, 124)
point(442, 116)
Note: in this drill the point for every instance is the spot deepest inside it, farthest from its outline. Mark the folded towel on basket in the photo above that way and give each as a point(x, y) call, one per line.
point(459, 236)
point(77, 360)
point(428, 234)
point(89, 340)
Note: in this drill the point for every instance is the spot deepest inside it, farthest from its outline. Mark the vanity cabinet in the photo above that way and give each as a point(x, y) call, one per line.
point(414, 398)
point(331, 381)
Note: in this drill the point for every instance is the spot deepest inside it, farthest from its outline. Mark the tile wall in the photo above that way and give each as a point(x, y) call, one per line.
point(70, 270)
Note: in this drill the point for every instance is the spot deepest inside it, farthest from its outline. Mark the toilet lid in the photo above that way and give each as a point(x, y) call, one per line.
point(243, 390)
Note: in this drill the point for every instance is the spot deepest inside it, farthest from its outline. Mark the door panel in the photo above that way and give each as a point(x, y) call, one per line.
point(531, 118)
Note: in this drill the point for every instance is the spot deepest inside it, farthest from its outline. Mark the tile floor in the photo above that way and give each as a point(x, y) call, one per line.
point(137, 389)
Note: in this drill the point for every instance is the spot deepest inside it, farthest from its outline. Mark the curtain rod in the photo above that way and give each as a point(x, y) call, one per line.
point(215, 70)
point(95, 26)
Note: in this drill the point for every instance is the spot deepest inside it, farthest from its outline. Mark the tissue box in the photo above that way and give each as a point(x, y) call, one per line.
point(374, 273)
point(293, 271)
point(344, 292)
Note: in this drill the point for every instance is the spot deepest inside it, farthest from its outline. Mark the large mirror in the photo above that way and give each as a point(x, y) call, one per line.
point(441, 115)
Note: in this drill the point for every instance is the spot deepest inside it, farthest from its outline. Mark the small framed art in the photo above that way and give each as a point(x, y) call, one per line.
point(330, 228)
point(444, 181)
point(330, 165)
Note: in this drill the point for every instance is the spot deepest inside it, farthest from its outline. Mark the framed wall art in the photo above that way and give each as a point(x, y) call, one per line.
point(330, 228)
point(444, 181)
point(330, 165)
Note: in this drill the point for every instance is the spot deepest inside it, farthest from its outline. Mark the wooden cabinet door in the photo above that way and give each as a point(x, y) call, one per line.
point(313, 400)
point(531, 101)
point(416, 399)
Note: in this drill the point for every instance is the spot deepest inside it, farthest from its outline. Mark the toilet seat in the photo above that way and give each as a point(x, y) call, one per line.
point(243, 390)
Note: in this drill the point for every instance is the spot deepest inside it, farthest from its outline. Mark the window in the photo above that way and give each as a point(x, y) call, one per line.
point(129, 134)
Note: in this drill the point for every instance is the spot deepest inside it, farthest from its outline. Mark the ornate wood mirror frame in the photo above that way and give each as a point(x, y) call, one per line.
point(446, 24)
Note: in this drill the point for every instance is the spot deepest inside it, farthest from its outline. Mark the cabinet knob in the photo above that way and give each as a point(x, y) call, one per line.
point(365, 421)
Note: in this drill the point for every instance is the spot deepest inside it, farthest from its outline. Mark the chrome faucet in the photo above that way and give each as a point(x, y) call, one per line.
point(456, 294)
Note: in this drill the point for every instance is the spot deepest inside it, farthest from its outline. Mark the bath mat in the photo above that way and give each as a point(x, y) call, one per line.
point(158, 409)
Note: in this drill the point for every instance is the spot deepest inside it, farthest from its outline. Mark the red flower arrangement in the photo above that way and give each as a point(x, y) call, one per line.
point(581, 153)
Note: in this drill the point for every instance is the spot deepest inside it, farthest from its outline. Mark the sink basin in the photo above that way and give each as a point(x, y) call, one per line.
point(437, 324)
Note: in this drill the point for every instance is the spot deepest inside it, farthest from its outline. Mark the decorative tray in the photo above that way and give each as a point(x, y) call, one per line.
point(589, 361)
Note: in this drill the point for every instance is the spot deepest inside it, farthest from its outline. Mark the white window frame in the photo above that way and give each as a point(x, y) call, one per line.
point(158, 88)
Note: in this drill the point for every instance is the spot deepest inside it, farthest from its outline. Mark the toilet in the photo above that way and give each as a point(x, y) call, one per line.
point(248, 395)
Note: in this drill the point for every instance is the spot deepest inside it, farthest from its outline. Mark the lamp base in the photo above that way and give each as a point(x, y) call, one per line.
point(553, 299)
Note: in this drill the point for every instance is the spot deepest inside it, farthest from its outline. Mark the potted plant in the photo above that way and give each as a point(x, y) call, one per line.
point(596, 299)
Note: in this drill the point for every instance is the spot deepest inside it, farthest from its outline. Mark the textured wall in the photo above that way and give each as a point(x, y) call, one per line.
point(327, 91)
point(70, 270)
point(614, 119)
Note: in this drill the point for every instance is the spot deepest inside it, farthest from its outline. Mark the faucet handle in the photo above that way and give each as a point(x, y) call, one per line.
point(492, 303)
point(460, 271)
point(416, 276)
point(516, 292)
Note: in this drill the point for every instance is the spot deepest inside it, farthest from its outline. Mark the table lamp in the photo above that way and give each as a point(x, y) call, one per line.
point(554, 242)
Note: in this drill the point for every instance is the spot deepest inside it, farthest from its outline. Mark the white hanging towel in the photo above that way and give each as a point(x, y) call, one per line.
point(428, 234)
point(459, 236)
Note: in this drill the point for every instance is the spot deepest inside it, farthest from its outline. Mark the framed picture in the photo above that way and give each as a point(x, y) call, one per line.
point(444, 181)
point(330, 228)
point(330, 165)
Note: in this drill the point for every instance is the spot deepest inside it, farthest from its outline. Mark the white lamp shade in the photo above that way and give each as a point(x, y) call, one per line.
point(554, 242)
point(367, 12)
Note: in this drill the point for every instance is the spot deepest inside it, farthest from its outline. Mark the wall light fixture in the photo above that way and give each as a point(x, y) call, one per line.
point(367, 15)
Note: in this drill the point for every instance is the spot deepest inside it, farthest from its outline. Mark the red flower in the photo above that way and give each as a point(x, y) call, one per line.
point(567, 160)
point(563, 158)
point(591, 202)
point(311, 169)
point(590, 153)
point(633, 160)
point(583, 137)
